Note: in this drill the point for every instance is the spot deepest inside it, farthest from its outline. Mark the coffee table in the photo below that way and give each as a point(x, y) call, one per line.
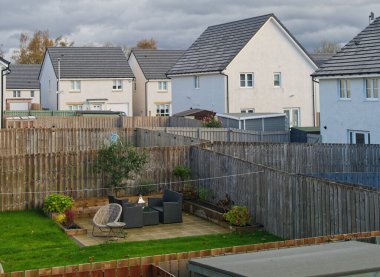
point(150, 216)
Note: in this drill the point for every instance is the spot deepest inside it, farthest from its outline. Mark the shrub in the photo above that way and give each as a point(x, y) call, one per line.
point(69, 218)
point(212, 122)
point(182, 172)
point(58, 203)
point(60, 218)
point(238, 216)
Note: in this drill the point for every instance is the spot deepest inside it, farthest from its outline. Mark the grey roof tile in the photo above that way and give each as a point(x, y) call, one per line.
point(217, 46)
point(90, 62)
point(155, 63)
point(360, 56)
point(23, 76)
point(320, 58)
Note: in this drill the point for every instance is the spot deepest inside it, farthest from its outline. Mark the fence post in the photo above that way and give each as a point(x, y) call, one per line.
point(199, 133)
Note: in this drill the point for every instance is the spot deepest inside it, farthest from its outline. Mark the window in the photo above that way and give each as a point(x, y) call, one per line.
point(16, 93)
point(75, 107)
point(32, 93)
point(293, 115)
point(247, 110)
point(246, 80)
point(358, 137)
point(372, 88)
point(117, 85)
point(163, 85)
point(344, 89)
point(196, 82)
point(163, 110)
point(75, 85)
point(277, 79)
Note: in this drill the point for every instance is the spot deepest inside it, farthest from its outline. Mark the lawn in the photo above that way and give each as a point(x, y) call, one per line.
point(29, 240)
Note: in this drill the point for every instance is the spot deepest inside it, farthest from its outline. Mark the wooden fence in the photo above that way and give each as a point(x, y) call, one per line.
point(228, 134)
point(175, 263)
point(25, 180)
point(112, 122)
point(42, 140)
point(288, 205)
point(306, 158)
point(150, 138)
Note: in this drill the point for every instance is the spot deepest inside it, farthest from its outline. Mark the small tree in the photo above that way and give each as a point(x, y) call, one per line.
point(211, 122)
point(117, 161)
point(147, 44)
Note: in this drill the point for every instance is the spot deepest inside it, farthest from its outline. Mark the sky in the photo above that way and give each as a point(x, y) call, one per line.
point(175, 24)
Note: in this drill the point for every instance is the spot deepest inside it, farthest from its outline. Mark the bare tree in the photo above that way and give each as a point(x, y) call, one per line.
point(330, 47)
point(147, 44)
point(1, 51)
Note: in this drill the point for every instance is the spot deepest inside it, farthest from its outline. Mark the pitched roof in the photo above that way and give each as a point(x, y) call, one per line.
point(4, 61)
point(155, 63)
point(23, 76)
point(90, 62)
point(320, 58)
point(218, 45)
point(359, 56)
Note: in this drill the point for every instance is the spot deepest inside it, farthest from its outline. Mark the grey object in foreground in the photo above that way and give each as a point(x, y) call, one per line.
point(169, 206)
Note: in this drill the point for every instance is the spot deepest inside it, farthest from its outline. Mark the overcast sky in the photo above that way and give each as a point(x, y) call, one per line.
point(175, 24)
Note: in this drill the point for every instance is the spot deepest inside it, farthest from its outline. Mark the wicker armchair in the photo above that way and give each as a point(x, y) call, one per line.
point(106, 214)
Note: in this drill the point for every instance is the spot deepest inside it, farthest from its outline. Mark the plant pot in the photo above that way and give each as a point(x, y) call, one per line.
point(77, 230)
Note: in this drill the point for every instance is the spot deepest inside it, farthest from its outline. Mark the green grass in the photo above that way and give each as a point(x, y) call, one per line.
point(29, 240)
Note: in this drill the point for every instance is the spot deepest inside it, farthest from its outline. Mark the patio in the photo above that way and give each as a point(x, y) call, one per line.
point(191, 226)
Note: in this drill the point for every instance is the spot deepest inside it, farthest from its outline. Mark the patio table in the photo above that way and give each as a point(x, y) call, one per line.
point(150, 216)
point(116, 228)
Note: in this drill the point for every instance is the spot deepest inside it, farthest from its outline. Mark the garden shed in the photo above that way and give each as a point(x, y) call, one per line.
point(255, 121)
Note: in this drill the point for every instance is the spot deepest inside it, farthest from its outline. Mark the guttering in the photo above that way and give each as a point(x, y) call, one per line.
point(146, 97)
point(4, 72)
point(313, 96)
point(227, 93)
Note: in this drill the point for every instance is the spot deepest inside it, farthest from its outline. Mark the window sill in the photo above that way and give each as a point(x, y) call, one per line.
point(162, 91)
point(345, 99)
point(246, 87)
point(117, 90)
point(371, 100)
point(74, 91)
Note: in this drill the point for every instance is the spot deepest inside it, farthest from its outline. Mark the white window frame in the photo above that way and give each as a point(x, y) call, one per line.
point(32, 93)
point(78, 107)
point(162, 86)
point(352, 136)
point(117, 84)
point(244, 82)
point(75, 85)
point(290, 115)
point(16, 93)
point(279, 79)
point(248, 110)
point(371, 88)
point(344, 89)
point(196, 82)
point(163, 109)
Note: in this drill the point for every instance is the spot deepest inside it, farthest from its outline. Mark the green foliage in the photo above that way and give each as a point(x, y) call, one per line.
point(29, 240)
point(238, 216)
point(182, 172)
point(211, 122)
point(117, 161)
point(205, 194)
point(58, 203)
point(145, 187)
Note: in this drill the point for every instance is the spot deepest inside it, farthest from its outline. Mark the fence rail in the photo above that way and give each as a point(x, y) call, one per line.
point(228, 134)
point(288, 205)
point(110, 122)
point(306, 158)
point(25, 180)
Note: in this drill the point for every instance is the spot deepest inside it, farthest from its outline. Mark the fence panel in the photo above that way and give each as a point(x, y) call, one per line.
point(288, 205)
point(306, 158)
point(25, 180)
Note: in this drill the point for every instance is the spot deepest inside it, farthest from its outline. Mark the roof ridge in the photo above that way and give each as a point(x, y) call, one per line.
point(244, 19)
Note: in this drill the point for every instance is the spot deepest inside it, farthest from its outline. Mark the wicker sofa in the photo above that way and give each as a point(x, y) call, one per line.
point(169, 206)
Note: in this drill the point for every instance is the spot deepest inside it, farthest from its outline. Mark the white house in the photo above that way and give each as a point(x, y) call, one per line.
point(23, 87)
point(153, 92)
point(349, 90)
point(4, 70)
point(250, 65)
point(86, 78)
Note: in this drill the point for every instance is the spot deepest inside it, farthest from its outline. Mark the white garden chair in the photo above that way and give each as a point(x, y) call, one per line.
point(106, 214)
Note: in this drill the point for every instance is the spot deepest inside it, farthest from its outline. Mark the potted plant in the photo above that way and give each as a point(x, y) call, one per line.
point(239, 219)
point(56, 204)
